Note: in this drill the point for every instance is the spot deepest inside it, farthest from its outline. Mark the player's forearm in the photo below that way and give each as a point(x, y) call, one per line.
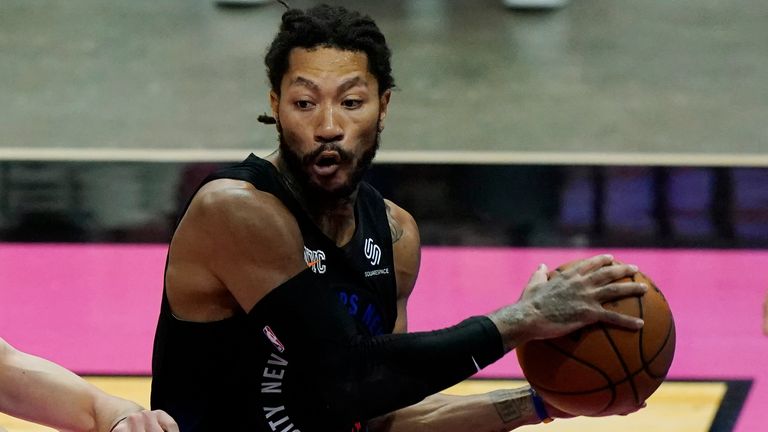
point(38, 390)
point(365, 377)
point(500, 410)
point(109, 410)
point(514, 325)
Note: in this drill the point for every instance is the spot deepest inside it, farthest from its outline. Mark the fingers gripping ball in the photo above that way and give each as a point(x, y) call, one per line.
point(602, 369)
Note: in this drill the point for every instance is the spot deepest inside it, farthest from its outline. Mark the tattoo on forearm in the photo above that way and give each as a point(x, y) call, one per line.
point(394, 228)
point(504, 402)
point(509, 405)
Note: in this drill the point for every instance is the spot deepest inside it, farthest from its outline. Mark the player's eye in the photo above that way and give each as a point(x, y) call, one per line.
point(304, 104)
point(352, 103)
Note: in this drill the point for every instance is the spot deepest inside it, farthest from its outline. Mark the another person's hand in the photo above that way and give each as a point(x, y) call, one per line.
point(146, 421)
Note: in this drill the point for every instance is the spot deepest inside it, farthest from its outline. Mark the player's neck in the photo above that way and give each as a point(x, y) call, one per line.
point(335, 216)
point(336, 220)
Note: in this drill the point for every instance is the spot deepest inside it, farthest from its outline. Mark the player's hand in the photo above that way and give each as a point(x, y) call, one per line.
point(147, 421)
point(573, 298)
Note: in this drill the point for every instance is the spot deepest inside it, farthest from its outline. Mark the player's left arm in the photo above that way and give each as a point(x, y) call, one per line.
point(41, 391)
point(406, 246)
point(499, 410)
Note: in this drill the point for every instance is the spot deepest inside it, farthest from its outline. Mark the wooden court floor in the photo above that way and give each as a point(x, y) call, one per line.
point(678, 406)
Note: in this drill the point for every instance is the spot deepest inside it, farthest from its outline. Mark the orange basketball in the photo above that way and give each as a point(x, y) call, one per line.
point(602, 368)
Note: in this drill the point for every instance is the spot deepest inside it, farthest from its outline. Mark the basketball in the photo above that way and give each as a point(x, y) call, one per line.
point(603, 369)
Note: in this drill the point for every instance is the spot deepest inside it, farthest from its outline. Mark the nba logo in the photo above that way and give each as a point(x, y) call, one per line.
point(273, 338)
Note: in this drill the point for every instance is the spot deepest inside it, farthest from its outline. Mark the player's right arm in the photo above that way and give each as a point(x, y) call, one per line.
point(232, 247)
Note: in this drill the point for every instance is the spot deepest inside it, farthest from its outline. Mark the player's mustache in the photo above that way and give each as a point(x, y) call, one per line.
point(311, 157)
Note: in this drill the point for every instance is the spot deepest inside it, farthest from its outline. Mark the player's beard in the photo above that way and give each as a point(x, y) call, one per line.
point(298, 167)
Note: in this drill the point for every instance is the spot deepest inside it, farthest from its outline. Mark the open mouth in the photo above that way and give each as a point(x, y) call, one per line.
point(327, 158)
point(327, 163)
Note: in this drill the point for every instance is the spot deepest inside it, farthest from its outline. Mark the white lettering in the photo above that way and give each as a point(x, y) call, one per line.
point(277, 360)
point(315, 259)
point(274, 424)
point(272, 411)
point(377, 272)
point(271, 387)
point(274, 374)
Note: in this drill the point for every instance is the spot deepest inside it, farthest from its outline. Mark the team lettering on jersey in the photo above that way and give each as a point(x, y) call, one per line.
point(273, 406)
point(363, 311)
point(315, 260)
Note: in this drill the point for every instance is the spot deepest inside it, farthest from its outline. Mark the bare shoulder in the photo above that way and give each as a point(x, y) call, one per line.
point(237, 208)
point(239, 219)
point(234, 244)
point(406, 246)
point(401, 224)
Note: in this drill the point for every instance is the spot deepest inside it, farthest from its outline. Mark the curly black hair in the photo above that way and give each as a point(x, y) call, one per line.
point(334, 27)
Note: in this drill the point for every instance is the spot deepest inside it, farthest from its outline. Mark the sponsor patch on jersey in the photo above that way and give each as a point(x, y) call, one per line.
point(372, 251)
point(377, 272)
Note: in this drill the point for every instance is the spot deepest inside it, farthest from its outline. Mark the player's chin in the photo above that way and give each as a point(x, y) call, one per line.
point(328, 182)
point(332, 187)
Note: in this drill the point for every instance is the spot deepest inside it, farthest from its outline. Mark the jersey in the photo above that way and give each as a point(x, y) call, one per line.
point(253, 371)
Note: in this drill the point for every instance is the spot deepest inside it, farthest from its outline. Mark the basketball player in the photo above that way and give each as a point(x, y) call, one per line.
point(287, 279)
point(38, 390)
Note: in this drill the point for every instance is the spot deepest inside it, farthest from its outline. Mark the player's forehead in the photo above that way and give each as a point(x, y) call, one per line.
point(327, 67)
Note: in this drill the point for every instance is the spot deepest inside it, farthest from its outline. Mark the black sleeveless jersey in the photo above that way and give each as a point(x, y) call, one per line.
point(261, 370)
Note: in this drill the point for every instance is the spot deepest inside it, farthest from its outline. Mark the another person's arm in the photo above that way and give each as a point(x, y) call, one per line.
point(43, 392)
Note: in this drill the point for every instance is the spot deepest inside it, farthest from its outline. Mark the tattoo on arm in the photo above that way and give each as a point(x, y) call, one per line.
point(509, 404)
point(394, 228)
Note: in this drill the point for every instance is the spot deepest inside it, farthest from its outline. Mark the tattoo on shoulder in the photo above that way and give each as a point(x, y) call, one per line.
point(394, 227)
point(509, 404)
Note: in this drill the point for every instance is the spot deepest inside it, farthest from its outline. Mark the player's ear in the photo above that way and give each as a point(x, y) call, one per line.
point(274, 102)
point(383, 105)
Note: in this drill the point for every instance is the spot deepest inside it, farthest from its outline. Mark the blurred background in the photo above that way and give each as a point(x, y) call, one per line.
point(605, 122)
point(599, 125)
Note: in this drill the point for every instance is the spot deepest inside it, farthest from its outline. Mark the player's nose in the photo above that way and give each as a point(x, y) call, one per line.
point(329, 127)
